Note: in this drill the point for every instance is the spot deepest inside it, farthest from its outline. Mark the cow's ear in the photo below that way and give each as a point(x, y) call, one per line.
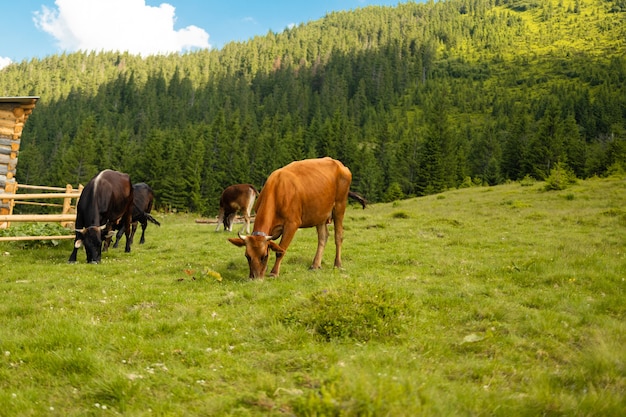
point(78, 243)
point(274, 246)
point(237, 241)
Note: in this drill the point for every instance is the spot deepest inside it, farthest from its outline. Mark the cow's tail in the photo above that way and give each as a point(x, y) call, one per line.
point(358, 197)
point(152, 219)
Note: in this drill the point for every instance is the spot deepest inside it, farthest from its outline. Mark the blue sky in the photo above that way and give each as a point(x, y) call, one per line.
point(38, 28)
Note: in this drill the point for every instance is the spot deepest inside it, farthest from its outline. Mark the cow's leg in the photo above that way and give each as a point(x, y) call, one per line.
point(132, 232)
point(127, 232)
point(118, 236)
point(230, 221)
point(72, 259)
point(77, 244)
point(220, 219)
point(338, 213)
point(144, 224)
point(322, 238)
point(289, 231)
point(248, 210)
point(246, 222)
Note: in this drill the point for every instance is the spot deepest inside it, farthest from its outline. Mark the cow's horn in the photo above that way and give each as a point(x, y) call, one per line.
point(242, 237)
point(81, 231)
point(104, 226)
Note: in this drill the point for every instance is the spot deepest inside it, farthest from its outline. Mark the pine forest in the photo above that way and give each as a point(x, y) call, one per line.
point(414, 99)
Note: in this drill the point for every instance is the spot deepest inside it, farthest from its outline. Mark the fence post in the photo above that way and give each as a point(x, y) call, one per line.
point(67, 204)
point(7, 204)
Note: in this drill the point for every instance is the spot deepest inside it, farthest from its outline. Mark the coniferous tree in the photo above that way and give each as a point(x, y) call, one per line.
point(81, 158)
point(515, 148)
point(174, 188)
point(368, 176)
point(152, 163)
point(31, 163)
point(436, 161)
point(407, 159)
point(192, 174)
point(574, 146)
point(546, 146)
point(485, 156)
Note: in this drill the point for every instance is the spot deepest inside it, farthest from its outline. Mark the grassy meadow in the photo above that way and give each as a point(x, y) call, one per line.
point(502, 301)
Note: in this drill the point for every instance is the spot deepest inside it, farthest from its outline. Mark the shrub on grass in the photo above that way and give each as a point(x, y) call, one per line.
point(393, 193)
point(527, 181)
point(400, 215)
point(360, 312)
point(560, 177)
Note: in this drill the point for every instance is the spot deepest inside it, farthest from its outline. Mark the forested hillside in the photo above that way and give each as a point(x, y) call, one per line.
point(415, 99)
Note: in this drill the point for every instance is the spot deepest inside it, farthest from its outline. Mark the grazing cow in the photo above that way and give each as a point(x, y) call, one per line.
point(106, 200)
point(307, 193)
point(143, 199)
point(236, 198)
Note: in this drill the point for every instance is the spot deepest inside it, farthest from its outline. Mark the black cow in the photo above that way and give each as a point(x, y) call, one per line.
point(106, 200)
point(143, 197)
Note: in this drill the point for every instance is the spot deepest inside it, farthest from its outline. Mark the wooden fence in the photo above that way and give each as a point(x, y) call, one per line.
point(67, 217)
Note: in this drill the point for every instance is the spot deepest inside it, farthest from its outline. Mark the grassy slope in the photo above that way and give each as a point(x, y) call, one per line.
point(484, 301)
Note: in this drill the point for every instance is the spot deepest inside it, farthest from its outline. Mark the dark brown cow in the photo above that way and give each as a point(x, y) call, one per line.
point(106, 200)
point(302, 194)
point(236, 198)
point(143, 199)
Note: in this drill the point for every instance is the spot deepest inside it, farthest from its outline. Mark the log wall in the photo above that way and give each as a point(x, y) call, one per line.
point(14, 112)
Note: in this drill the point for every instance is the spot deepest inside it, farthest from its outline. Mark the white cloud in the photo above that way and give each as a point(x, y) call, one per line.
point(4, 62)
point(118, 25)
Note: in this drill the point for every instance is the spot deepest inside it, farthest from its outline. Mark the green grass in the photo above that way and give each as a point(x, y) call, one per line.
point(500, 301)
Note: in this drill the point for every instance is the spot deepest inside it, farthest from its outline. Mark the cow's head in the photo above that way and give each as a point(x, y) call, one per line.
point(106, 236)
point(257, 251)
point(91, 238)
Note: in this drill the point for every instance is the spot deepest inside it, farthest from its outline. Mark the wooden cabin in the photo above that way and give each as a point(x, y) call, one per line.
point(14, 111)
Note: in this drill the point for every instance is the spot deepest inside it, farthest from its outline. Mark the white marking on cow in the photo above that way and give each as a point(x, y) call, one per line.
point(97, 181)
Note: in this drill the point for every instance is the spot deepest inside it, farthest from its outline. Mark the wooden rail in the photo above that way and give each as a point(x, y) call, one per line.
point(66, 218)
point(19, 238)
point(42, 218)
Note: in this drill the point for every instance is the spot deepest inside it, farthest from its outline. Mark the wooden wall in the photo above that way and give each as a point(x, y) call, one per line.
point(14, 112)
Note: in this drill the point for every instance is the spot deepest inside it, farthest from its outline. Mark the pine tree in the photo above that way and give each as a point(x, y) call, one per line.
point(436, 161)
point(80, 159)
point(546, 146)
point(174, 187)
point(192, 174)
point(515, 149)
point(152, 163)
point(368, 176)
point(484, 157)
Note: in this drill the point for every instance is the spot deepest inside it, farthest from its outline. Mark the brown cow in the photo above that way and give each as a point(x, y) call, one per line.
point(236, 198)
point(302, 194)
